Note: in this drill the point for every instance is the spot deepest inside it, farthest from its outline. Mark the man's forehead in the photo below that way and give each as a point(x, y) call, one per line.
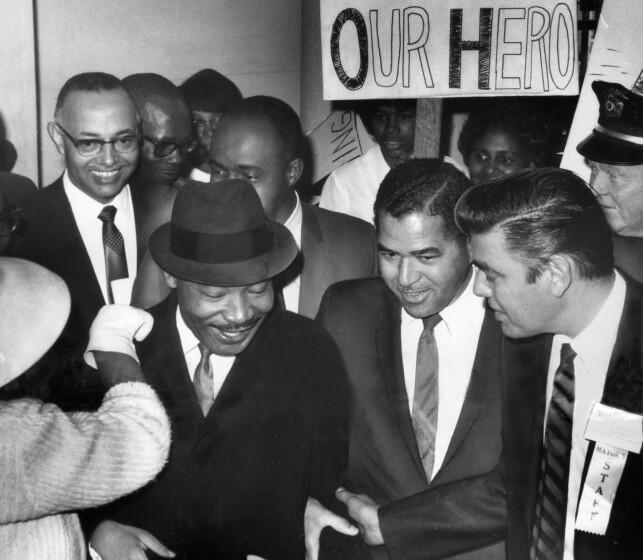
point(168, 119)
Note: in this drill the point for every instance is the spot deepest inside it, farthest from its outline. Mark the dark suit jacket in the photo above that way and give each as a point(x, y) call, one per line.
point(523, 430)
point(49, 236)
point(237, 481)
point(463, 508)
point(334, 247)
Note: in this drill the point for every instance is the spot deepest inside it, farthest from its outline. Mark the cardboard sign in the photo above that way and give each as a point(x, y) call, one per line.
point(338, 139)
point(431, 48)
point(617, 56)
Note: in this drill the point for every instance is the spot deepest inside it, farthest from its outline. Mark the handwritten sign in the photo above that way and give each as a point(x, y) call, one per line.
point(338, 139)
point(432, 48)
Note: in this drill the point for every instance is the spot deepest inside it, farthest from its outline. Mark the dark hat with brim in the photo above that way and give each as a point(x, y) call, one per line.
point(617, 138)
point(219, 235)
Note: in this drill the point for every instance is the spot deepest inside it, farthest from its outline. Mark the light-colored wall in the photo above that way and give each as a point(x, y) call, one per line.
point(18, 82)
point(256, 43)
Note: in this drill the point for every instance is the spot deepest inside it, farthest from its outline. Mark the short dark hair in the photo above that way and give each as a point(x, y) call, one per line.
point(278, 114)
point(87, 81)
point(522, 119)
point(422, 185)
point(366, 109)
point(542, 212)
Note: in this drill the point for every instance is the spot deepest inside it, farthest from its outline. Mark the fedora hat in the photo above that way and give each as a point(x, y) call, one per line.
point(34, 305)
point(219, 235)
point(617, 138)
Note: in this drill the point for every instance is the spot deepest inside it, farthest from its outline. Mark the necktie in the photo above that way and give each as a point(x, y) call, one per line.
point(548, 535)
point(114, 246)
point(203, 382)
point(425, 399)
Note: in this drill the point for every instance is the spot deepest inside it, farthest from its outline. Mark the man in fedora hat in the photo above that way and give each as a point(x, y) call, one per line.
point(614, 151)
point(51, 462)
point(260, 141)
point(255, 394)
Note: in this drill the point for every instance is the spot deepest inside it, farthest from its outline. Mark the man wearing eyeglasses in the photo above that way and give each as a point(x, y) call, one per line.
point(82, 227)
point(167, 141)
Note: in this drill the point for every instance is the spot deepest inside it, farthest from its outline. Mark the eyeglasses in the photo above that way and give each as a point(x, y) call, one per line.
point(163, 148)
point(210, 124)
point(92, 146)
point(9, 221)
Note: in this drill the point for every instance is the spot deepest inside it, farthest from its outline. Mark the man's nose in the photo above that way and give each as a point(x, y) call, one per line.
point(238, 310)
point(407, 274)
point(480, 285)
point(108, 154)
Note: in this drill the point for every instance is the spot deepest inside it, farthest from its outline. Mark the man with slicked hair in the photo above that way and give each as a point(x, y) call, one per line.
point(543, 250)
point(82, 226)
point(424, 360)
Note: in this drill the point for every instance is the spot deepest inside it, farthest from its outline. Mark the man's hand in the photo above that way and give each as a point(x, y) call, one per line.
point(316, 517)
point(115, 541)
point(363, 510)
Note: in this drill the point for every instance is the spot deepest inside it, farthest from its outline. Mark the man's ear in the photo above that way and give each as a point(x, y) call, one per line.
point(56, 137)
point(560, 270)
point(294, 171)
point(169, 280)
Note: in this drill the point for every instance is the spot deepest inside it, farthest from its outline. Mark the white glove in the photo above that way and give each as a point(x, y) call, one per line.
point(114, 330)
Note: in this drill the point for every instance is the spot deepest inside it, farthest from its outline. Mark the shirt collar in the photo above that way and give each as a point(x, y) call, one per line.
point(597, 339)
point(294, 221)
point(188, 340)
point(92, 207)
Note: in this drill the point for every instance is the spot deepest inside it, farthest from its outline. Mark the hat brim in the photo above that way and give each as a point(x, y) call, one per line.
point(242, 273)
point(605, 149)
point(34, 306)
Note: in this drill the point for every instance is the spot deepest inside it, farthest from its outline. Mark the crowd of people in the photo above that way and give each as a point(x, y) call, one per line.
point(438, 361)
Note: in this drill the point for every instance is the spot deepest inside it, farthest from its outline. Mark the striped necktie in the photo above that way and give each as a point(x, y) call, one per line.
point(425, 399)
point(548, 534)
point(114, 246)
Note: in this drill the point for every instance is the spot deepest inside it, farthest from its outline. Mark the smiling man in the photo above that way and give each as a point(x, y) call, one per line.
point(544, 253)
point(423, 360)
point(82, 226)
point(255, 394)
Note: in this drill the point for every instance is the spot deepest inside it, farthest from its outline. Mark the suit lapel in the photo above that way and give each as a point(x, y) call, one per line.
point(389, 350)
point(248, 370)
point(313, 272)
point(483, 389)
point(68, 248)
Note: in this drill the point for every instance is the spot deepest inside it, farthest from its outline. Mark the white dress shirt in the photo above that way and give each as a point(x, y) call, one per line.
point(456, 337)
point(201, 176)
point(86, 210)
point(352, 188)
point(221, 365)
point(593, 347)
point(291, 290)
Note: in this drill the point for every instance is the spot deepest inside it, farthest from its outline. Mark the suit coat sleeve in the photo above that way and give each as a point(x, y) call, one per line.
point(445, 520)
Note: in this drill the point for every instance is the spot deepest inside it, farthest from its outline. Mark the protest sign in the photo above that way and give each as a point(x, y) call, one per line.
point(432, 48)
